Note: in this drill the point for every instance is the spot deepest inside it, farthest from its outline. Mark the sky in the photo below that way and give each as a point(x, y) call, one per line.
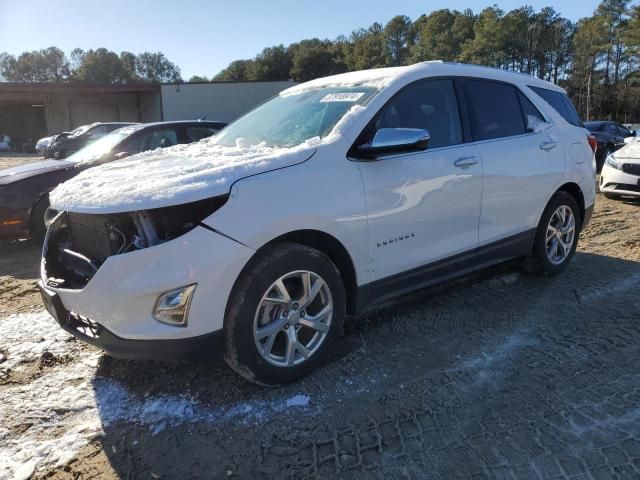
point(201, 36)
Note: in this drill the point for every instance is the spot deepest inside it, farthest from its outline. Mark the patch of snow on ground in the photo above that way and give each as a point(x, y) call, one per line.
point(46, 422)
point(24, 338)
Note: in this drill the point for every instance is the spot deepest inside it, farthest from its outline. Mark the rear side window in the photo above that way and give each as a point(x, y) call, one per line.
point(431, 105)
point(495, 109)
point(560, 103)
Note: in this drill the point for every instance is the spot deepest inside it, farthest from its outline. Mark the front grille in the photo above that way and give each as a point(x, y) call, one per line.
point(631, 168)
point(90, 236)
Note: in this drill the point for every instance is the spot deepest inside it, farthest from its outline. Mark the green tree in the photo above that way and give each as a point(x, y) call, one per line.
point(487, 45)
point(439, 36)
point(314, 58)
point(367, 48)
point(101, 66)
point(198, 78)
point(397, 37)
point(156, 68)
point(273, 63)
point(46, 65)
point(237, 71)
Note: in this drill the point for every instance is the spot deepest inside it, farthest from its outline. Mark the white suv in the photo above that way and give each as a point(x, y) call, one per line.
point(333, 196)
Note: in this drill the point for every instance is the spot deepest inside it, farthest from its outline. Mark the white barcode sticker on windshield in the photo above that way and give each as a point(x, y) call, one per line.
point(342, 97)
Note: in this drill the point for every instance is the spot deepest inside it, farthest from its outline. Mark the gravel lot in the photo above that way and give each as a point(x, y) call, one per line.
point(502, 375)
point(10, 159)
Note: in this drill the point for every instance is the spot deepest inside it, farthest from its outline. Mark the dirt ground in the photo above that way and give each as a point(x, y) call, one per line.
point(501, 375)
point(11, 159)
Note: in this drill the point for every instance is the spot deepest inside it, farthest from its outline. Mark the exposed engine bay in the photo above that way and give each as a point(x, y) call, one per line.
point(77, 244)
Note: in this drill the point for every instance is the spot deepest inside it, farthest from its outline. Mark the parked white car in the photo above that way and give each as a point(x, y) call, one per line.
point(335, 195)
point(620, 174)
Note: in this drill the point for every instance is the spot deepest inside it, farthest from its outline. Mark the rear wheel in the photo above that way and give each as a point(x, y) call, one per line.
point(557, 235)
point(285, 315)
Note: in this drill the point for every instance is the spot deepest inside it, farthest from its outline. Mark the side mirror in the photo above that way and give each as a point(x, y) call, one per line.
point(120, 155)
point(395, 140)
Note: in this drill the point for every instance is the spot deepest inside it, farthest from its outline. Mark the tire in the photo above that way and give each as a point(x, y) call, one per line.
point(38, 227)
point(540, 261)
point(249, 312)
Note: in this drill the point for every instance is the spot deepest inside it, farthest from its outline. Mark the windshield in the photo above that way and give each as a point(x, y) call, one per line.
point(80, 130)
point(289, 120)
point(96, 150)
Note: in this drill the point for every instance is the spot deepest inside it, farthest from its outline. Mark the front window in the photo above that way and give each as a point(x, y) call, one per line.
point(96, 150)
point(291, 119)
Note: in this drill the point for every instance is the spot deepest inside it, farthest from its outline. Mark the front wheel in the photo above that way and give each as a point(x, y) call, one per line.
point(38, 219)
point(285, 315)
point(557, 235)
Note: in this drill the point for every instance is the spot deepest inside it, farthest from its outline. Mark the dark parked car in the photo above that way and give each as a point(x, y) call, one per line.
point(24, 190)
point(610, 137)
point(67, 143)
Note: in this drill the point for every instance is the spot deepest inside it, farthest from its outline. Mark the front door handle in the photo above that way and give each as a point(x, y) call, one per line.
point(465, 162)
point(546, 146)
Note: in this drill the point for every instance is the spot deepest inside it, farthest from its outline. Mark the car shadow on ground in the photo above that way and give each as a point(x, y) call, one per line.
point(483, 371)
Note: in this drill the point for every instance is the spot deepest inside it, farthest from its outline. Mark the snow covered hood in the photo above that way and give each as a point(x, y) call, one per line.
point(171, 176)
point(13, 174)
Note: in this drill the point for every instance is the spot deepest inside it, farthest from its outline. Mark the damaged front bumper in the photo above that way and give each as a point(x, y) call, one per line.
point(119, 299)
point(95, 334)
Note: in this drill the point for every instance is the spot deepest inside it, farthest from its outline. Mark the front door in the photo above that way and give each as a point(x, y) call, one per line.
point(422, 206)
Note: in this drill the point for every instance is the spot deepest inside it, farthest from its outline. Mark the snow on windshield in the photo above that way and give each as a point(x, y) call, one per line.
point(289, 120)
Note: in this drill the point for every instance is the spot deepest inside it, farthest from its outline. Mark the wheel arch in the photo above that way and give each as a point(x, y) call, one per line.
point(332, 248)
point(575, 191)
point(327, 244)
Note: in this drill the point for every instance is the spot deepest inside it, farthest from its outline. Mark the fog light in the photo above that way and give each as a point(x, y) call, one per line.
point(173, 307)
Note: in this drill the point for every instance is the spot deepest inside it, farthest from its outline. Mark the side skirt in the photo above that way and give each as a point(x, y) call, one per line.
point(385, 289)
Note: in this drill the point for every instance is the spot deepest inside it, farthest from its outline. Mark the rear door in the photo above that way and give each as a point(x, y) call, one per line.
point(522, 160)
point(422, 206)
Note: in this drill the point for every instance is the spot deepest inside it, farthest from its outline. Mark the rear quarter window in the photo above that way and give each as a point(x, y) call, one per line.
point(560, 103)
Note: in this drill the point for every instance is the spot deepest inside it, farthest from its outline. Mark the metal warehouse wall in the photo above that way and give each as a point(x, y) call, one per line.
point(224, 101)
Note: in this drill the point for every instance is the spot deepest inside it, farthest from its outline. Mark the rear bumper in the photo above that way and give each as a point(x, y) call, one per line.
point(192, 348)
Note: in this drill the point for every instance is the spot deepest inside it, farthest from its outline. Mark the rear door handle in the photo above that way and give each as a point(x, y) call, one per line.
point(546, 146)
point(465, 162)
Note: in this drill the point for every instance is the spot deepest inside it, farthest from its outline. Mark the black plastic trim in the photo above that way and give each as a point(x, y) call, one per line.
point(402, 283)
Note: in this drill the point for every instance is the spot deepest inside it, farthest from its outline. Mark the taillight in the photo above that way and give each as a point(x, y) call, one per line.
point(593, 143)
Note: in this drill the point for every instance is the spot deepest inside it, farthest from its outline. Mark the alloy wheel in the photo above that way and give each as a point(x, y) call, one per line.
point(560, 235)
point(293, 318)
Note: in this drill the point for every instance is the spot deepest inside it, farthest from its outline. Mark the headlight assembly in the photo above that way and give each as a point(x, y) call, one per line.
point(612, 162)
